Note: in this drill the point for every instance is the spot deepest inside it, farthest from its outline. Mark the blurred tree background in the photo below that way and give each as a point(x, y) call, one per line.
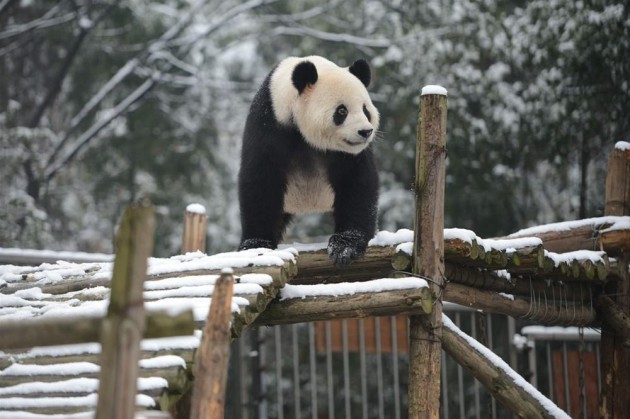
point(101, 102)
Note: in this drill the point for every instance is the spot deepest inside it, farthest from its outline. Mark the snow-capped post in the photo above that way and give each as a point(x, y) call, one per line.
point(124, 324)
point(195, 226)
point(211, 361)
point(615, 357)
point(425, 333)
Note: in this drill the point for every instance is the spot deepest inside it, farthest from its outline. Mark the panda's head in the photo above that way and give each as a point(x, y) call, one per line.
point(329, 104)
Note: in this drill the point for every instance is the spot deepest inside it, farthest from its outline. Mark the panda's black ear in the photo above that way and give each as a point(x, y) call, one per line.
point(361, 69)
point(304, 74)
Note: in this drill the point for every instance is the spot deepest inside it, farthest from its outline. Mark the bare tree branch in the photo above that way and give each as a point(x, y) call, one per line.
point(91, 133)
point(41, 23)
point(55, 88)
point(122, 74)
point(152, 49)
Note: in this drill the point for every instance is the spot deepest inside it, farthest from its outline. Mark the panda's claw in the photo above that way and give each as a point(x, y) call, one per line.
point(345, 247)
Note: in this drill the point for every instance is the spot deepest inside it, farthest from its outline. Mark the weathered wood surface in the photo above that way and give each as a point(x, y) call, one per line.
point(211, 361)
point(615, 354)
point(66, 331)
point(124, 325)
point(194, 235)
point(425, 332)
point(299, 310)
point(542, 312)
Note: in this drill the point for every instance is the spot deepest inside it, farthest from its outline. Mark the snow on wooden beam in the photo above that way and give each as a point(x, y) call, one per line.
point(388, 296)
point(507, 386)
point(609, 233)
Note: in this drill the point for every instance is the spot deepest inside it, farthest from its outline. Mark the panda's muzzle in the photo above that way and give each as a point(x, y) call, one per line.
point(365, 133)
point(362, 137)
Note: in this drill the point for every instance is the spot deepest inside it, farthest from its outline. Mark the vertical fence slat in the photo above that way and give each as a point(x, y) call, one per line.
point(278, 348)
point(346, 368)
point(124, 325)
point(363, 367)
point(296, 371)
point(393, 323)
point(313, 366)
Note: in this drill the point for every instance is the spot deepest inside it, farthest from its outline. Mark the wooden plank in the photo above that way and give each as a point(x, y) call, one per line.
point(211, 362)
point(425, 335)
point(124, 325)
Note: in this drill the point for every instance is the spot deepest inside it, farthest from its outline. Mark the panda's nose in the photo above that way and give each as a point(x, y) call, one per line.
point(365, 133)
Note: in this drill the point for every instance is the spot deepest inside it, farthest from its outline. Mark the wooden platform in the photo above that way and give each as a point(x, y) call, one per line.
point(285, 286)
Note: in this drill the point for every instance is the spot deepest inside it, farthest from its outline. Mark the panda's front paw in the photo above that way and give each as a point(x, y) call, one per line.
point(347, 246)
point(256, 244)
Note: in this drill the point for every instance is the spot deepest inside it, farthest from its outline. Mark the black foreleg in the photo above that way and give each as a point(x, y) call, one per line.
point(261, 197)
point(355, 182)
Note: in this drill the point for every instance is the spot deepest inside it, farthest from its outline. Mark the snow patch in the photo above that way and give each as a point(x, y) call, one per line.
point(196, 209)
point(351, 288)
point(387, 238)
point(622, 145)
point(433, 89)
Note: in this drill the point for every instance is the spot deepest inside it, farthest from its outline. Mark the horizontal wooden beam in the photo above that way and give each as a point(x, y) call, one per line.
point(540, 310)
point(298, 310)
point(29, 333)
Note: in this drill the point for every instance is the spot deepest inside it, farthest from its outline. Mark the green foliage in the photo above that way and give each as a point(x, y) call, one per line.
point(538, 94)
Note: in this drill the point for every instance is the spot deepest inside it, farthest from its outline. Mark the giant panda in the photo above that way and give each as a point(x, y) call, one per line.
point(306, 149)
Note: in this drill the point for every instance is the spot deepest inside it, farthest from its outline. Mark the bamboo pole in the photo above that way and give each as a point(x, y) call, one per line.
point(425, 335)
point(615, 356)
point(124, 324)
point(195, 226)
point(211, 363)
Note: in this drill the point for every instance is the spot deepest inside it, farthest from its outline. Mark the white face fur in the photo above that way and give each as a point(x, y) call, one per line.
point(334, 113)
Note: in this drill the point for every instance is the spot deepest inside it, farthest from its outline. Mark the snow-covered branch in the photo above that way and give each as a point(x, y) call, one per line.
point(91, 133)
point(45, 21)
point(153, 50)
point(333, 37)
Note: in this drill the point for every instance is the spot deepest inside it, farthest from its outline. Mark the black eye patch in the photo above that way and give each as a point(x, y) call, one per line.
point(340, 114)
point(367, 113)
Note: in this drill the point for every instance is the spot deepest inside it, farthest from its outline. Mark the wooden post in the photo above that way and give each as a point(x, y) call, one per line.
point(195, 225)
point(614, 356)
point(425, 335)
point(124, 325)
point(211, 361)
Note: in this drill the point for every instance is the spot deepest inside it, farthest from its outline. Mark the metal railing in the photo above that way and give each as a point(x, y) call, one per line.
point(358, 368)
